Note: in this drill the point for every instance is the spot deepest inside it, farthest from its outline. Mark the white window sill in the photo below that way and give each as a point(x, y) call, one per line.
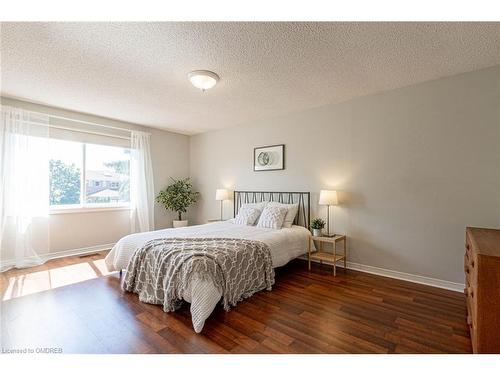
point(81, 210)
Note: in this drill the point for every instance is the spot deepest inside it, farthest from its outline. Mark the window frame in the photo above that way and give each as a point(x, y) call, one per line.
point(83, 206)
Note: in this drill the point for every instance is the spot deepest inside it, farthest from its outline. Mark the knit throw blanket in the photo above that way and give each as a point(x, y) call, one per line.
point(160, 271)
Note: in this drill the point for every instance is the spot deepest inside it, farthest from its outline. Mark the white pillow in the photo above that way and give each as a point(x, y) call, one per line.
point(259, 206)
point(247, 216)
point(292, 209)
point(272, 217)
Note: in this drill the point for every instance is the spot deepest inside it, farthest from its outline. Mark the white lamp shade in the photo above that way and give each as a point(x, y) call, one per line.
point(328, 197)
point(221, 195)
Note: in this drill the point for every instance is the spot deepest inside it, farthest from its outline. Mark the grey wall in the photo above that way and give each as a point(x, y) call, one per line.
point(68, 231)
point(413, 167)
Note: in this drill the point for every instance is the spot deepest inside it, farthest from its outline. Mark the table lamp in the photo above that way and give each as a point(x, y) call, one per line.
point(328, 198)
point(221, 195)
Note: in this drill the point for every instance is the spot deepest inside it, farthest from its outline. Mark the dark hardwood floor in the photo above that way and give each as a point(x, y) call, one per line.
point(307, 312)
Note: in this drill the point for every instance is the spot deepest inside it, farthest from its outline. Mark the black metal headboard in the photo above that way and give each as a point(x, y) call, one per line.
point(302, 198)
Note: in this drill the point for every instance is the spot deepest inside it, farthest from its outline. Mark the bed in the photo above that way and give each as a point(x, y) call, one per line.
point(285, 244)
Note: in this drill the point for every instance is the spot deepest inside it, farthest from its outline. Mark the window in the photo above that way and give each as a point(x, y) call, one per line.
point(107, 174)
point(66, 165)
point(88, 175)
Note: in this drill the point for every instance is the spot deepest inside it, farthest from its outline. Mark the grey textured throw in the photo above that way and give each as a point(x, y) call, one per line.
point(161, 270)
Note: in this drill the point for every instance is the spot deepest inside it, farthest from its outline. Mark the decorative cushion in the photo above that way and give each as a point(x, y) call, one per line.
point(247, 216)
point(292, 210)
point(272, 217)
point(259, 206)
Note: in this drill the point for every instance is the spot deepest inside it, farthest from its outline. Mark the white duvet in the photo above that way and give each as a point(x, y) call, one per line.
point(285, 244)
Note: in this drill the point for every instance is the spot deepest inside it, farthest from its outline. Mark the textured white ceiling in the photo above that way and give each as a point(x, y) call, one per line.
point(136, 72)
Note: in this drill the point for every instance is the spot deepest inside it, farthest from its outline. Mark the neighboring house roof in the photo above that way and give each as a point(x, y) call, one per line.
point(95, 189)
point(106, 193)
point(105, 176)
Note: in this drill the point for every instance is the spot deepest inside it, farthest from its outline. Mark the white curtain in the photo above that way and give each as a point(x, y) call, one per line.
point(24, 187)
point(141, 182)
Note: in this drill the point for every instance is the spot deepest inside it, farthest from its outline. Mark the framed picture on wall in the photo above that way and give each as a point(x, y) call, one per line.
point(269, 158)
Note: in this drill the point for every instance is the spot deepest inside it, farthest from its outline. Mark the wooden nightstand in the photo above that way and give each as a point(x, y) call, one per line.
point(327, 257)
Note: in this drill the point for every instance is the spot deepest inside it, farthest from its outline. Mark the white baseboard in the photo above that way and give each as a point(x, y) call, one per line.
point(443, 284)
point(9, 263)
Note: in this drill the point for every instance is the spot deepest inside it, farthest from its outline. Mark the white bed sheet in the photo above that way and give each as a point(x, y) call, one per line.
point(285, 244)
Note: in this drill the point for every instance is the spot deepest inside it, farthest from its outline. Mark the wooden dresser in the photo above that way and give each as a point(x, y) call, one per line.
point(482, 288)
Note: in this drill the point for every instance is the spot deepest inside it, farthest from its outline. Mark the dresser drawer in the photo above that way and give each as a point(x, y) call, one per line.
point(470, 263)
point(470, 269)
point(471, 296)
point(468, 244)
point(469, 308)
point(482, 288)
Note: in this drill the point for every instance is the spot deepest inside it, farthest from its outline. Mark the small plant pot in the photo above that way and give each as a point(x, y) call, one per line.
point(317, 232)
point(180, 223)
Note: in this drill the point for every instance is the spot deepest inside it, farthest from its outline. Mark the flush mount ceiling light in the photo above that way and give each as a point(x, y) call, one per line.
point(203, 79)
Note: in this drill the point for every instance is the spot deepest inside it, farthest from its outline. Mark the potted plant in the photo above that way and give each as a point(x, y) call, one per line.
point(317, 225)
point(177, 197)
